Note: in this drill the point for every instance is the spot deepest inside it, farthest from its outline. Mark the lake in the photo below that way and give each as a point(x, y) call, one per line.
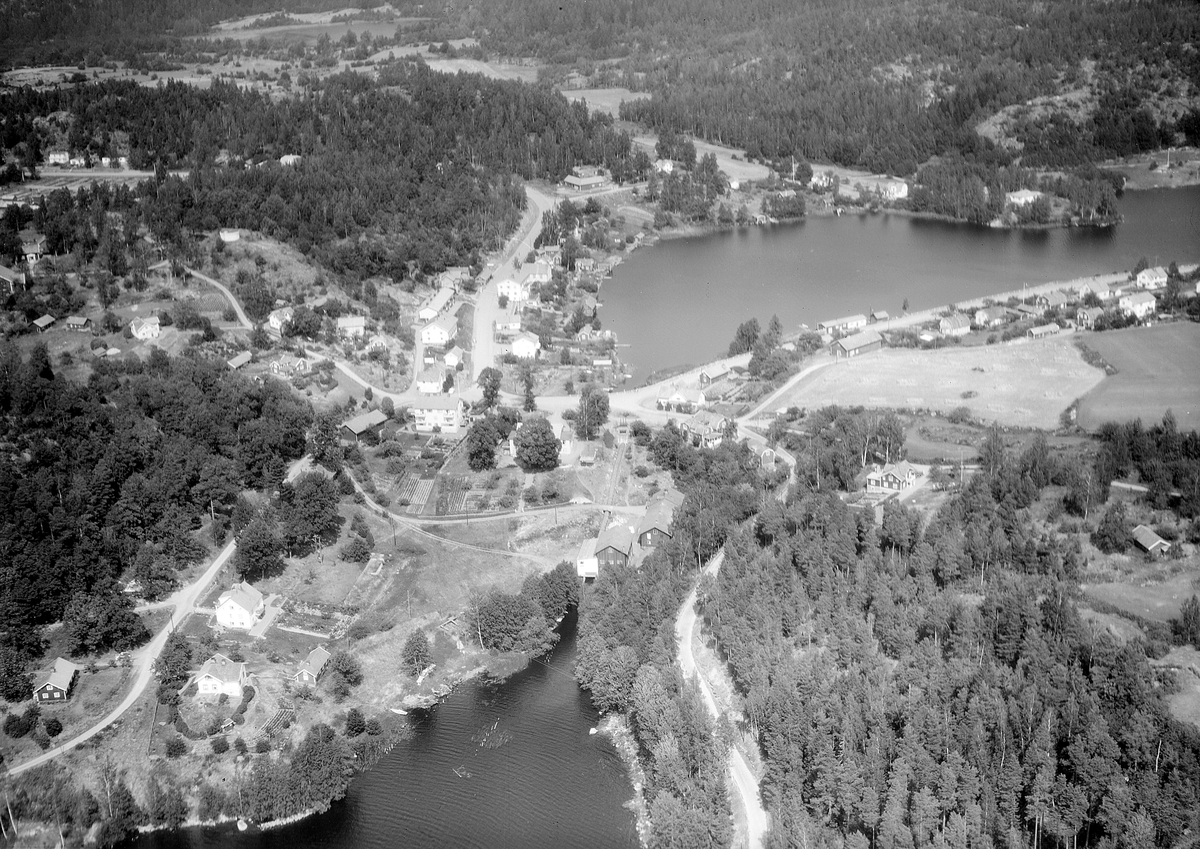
point(680, 301)
point(548, 783)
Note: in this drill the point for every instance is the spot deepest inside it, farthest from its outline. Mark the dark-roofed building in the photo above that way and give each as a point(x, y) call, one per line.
point(614, 546)
point(56, 687)
point(859, 343)
point(712, 373)
point(369, 422)
point(655, 527)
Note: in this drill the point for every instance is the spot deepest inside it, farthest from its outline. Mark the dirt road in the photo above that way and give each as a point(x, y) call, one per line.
point(184, 601)
point(744, 781)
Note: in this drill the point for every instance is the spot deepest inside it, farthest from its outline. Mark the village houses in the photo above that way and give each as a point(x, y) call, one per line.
point(1137, 304)
point(1152, 278)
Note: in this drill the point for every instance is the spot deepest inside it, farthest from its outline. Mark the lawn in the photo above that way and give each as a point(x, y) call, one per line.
point(604, 99)
point(1024, 383)
point(1156, 371)
point(1158, 601)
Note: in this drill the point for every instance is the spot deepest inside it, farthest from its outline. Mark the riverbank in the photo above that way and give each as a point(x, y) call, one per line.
point(616, 727)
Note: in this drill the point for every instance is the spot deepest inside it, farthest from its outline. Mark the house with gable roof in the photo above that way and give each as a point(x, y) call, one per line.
point(56, 687)
point(310, 669)
point(220, 675)
point(240, 607)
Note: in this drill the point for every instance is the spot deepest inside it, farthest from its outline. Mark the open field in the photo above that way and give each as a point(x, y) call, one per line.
point(606, 99)
point(1158, 601)
point(1156, 371)
point(1024, 383)
point(308, 33)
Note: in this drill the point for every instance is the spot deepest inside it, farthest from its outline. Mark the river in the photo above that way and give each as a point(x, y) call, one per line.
point(547, 784)
point(680, 301)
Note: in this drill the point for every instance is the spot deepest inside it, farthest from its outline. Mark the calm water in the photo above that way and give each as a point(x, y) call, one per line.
point(550, 785)
point(681, 301)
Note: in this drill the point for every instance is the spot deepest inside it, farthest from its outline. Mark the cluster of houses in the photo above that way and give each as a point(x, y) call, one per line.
point(64, 159)
point(621, 543)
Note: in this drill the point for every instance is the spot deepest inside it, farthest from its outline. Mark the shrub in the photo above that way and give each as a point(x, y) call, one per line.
point(16, 726)
point(355, 724)
point(239, 746)
point(641, 471)
point(54, 727)
point(248, 694)
point(223, 699)
point(959, 415)
point(176, 747)
point(374, 727)
point(262, 746)
point(220, 745)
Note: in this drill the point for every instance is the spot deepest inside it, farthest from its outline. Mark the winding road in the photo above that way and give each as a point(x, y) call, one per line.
point(184, 601)
point(757, 820)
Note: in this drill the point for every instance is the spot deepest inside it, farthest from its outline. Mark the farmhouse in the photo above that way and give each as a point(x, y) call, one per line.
point(276, 319)
point(586, 564)
point(891, 478)
point(1137, 304)
point(11, 281)
point(454, 357)
point(439, 332)
point(239, 361)
point(955, 325)
point(683, 400)
point(1087, 316)
point(1054, 300)
point(879, 315)
point(310, 669)
point(991, 316)
point(220, 675)
point(240, 607)
point(614, 546)
point(436, 305)
point(43, 324)
point(430, 381)
point(843, 325)
point(442, 413)
point(712, 373)
point(58, 157)
point(1043, 330)
point(352, 326)
point(859, 343)
point(33, 247)
point(289, 365)
point(526, 346)
point(1152, 278)
point(145, 328)
point(56, 687)
point(369, 422)
point(705, 428)
point(583, 184)
point(1150, 542)
point(655, 527)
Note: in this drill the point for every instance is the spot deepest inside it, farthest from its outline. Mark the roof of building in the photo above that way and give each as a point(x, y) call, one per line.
point(143, 321)
point(857, 318)
point(243, 595)
point(712, 372)
point(437, 402)
point(901, 470)
point(447, 322)
point(1056, 298)
point(528, 337)
point(347, 321)
point(240, 360)
point(1147, 538)
point(433, 374)
point(705, 421)
point(1044, 330)
point(456, 352)
point(616, 536)
point(8, 274)
point(860, 340)
point(44, 322)
point(1022, 196)
point(314, 663)
point(1155, 273)
point(670, 495)
point(991, 313)
point(60, 676)
point(223, 669)
point(1092, 313)
point(957, 321)
point(658, 516)
point(282, 314)
point(441, 298)
point(1138, 298)
point(587, 549)
point(77, 320)
point(880, 315)
point(366, 421)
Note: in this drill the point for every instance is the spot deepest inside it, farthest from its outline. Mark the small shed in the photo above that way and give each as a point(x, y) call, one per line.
point(240, 360)
point(1149, 541)
point(43, 324)
point(370, 421)
point(859, 343)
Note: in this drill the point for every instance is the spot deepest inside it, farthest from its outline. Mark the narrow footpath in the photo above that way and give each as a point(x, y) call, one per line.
point(757, 820)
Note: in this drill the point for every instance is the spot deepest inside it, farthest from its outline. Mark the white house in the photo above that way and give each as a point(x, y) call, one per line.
point(955, 325)
point(1137, 304)
point(221, 675)
point(352, 325)
point(240, 607)
point(1152, 278)
point(586, 563)
point(289, 160)
point(439, 332)
point(58, 157)
point(1024, 197)
point(443, 412)
point(145, 328)
point(526, 346)
point(278, 318)
point(454, 357)
point(430, 381)
point(844, 324)
point(230, 235)
point(664, 166)
point(311, 668)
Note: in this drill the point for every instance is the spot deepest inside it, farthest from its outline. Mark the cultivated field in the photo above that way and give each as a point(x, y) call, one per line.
point(604, 99)
point(1024, 383)
point(1158, 368)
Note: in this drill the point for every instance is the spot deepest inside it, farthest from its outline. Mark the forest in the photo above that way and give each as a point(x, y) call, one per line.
point(918, 685)
point(120, 473)
point(876, 84)
point(416, 171)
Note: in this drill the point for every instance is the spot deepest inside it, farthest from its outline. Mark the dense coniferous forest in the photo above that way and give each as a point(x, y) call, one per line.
point(119, 472)
point(919, 685)
point(413, 171)
point(877, 84)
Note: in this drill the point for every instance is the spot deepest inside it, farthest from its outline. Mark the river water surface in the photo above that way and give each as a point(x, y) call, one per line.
point(680, 301)
point(535, 778)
